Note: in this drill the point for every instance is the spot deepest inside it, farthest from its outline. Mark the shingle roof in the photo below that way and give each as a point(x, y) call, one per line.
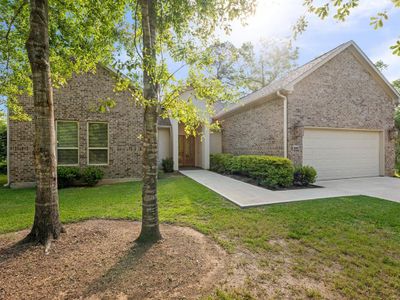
point(287, 82)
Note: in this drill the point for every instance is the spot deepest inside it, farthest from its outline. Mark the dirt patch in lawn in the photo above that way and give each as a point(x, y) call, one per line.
point(98, 259)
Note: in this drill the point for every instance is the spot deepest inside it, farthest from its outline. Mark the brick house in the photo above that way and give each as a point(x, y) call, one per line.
point(334, 113)
point(110, 140)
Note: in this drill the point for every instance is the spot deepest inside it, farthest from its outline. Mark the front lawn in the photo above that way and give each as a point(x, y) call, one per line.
point(342, 247)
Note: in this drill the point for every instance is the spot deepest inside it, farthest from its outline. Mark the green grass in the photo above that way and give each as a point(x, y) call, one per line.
point(351, 243)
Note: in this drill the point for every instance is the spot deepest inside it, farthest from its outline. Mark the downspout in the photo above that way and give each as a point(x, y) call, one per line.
point(285, 123)
point(8, 149)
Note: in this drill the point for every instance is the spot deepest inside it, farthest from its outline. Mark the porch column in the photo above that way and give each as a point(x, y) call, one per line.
point(205, 148)
point(175, 145)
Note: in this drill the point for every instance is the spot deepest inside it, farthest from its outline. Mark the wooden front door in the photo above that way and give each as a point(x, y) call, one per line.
point(186, 151)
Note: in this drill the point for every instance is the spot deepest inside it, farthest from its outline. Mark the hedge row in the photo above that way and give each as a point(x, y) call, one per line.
point(270, 171)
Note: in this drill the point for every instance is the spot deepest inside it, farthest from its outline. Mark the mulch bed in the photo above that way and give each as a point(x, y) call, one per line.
point(252, 181)
point(98, 259)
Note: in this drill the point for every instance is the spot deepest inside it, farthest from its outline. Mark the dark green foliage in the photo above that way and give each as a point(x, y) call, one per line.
point(74, 176)
point(67, 176)
point(168, 165)
point(3, 167)
point(304, 175)
point(3, 143)
point(92, 175)
point(220, 162)
point(270, 171)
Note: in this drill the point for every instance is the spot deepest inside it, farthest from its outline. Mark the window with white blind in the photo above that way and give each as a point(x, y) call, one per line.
point(67, 143)
point(98, 143)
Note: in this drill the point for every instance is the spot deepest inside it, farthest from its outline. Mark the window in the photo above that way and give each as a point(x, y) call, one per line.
point(67, 143)
point(98, 143)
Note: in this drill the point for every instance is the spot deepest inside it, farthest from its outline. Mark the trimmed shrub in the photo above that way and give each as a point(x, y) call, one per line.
point(167, 165)
point(269, 171)
point(74, 176)
point(92, 175)
point(221, 162)
point(67, 176)
point(304, 175)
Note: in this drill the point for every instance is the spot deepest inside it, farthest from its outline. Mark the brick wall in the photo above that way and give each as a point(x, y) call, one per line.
point(257, 130)
point(78, 101)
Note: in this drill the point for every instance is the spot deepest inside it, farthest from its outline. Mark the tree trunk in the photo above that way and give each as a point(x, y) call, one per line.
point(150, 231)
point(46, 224)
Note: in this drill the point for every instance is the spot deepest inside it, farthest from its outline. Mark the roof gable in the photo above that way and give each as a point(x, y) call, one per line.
point(288, 82)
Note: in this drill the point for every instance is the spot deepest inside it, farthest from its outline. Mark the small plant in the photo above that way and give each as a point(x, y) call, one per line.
point(92, 175)
point(3, 167)
point(168, 165)
point(304, 175)
point(67, 176)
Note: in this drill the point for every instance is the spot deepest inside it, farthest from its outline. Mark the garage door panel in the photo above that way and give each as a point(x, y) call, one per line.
point(342, 153)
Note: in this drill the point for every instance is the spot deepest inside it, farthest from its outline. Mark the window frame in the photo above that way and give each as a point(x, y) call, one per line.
point(98, 148)
point(67, 148)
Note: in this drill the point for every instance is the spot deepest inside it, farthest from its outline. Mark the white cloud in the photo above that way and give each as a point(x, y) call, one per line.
point(275, 18)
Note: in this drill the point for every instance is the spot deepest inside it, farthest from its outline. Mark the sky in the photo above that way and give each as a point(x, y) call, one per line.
point(274, 20)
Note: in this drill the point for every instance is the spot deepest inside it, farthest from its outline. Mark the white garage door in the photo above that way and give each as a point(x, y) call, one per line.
point(342, 153)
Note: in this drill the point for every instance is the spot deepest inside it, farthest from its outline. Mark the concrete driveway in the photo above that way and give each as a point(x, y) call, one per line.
point(247, 195)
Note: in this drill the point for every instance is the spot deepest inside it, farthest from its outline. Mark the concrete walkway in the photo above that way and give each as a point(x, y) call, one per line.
point(247, 195)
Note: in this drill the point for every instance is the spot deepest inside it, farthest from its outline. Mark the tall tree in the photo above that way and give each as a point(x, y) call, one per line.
point(46, 225)
point(162, 32)
point(34, 37)
point(248, 70)
point(150, 229)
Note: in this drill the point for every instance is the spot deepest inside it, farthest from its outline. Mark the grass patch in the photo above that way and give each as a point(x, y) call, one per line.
point(350, 243)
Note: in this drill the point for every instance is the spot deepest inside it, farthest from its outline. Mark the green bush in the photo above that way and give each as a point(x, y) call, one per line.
point(304, 175)
point(67, 176)
point(270, 171)
point(92, 175)
point(168, 165)
point(221, 162)
point(3, 167)
point(74, 176)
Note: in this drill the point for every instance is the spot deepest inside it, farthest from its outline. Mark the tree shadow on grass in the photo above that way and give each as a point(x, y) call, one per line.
point(116, 273)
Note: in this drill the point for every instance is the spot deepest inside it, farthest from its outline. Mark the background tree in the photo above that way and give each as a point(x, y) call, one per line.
point(162, 32)
point(72, 37)
point(341, 10)
point(248, 70)
point(396, 85)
